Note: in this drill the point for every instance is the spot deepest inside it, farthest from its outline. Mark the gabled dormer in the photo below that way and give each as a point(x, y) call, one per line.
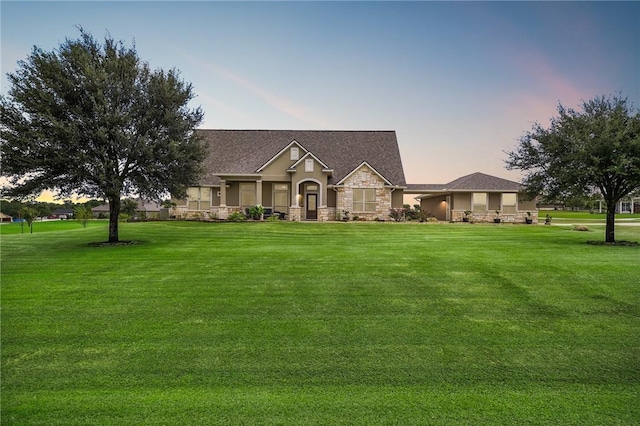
point(310, 164)
point(277, 166)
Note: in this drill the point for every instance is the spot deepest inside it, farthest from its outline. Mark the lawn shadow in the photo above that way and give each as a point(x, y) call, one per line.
point(116, 244)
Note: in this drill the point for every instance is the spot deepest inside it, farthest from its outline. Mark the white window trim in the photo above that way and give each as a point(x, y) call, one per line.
point(308, 165)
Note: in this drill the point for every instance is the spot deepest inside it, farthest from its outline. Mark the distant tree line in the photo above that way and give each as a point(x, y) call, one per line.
point(15, 208)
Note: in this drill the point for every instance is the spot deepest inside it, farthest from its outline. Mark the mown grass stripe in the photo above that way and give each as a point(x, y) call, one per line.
point(297, 323)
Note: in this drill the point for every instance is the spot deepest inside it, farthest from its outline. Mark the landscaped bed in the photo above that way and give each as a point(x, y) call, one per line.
point(335, 323)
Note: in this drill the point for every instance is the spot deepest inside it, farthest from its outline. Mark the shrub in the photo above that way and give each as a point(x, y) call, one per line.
point(236, 217)
point(425, 216)
point(398, 215)
point(256, 212)
point(82, 214)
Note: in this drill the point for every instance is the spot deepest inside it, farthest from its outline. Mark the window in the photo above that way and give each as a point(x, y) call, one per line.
point(247, 194)
point(308, 165)
point(479, 202)
point(280, 197)
point(364, 200)
point(509, 203)
point(295, 153)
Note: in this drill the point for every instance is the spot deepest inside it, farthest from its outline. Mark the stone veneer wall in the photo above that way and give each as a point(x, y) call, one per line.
point(519, 217)
point(295, 214)
point(364, 177)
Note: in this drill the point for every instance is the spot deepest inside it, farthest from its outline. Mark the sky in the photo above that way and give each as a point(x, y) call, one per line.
point(459, 82)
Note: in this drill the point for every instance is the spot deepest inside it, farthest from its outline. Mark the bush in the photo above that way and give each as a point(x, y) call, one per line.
point(236, 217)
point(82, 214)
point(398, 215)
point(256, 212)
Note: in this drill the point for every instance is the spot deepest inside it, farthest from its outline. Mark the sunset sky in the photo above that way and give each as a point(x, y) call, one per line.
point(458, 81)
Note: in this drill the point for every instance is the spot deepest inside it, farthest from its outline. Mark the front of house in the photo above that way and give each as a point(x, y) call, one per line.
point(300, 175)
point(478, 197)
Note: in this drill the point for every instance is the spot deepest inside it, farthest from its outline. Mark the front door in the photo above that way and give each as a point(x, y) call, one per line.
point(312, 207)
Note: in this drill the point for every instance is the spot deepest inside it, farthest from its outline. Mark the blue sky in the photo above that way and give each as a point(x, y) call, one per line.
point(458, 81)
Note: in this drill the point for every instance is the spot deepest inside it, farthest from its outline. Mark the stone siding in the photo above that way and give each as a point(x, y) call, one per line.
point(519, 217)
point(364, 177)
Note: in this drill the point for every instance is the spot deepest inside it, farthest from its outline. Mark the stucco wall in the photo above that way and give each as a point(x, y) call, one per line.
point(436, 206)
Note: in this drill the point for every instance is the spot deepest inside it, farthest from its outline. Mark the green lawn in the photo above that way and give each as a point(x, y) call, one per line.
point(578, 217)
point(46, 226)
point(300, 323)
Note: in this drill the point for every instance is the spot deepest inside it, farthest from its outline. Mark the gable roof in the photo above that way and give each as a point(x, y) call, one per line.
point(364, 163)
point(306, 156)
point(247, 151)
point(482, 182)
point(281, 152)
point(479, 182)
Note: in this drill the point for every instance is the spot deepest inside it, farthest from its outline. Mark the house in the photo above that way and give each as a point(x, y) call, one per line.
point(302, 175)
point(61, 213)
point(480, 194)
point(144, 209)
point(629, 204)
point(5, 217)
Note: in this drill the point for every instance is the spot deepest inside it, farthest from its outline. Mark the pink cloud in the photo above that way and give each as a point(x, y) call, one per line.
point(543, 88)
point(276, 101)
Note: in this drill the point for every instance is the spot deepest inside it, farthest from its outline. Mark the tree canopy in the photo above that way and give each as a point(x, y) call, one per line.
point(594, 149)
point(93, 120)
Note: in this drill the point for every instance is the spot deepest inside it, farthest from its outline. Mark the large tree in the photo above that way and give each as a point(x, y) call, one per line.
point(596, 148)
point(91, 119)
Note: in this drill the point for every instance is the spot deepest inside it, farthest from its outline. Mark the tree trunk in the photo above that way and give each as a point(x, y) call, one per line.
point(610, 232)
point(114, 212)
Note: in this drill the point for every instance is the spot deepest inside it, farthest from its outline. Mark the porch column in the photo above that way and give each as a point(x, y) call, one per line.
point(223, 193)
point(294, 195)
point(259, 192)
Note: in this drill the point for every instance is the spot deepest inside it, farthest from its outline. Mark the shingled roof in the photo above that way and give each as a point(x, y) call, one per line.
point(245, 151)
point(482, 182)
point(473, 182)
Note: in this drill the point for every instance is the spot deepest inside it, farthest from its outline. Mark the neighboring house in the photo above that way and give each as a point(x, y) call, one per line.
point(144, 209)
point(478, 193)
point(100, 211)
point(5, 217)
point(626, 205)
point(304, 175)
point(61, 213)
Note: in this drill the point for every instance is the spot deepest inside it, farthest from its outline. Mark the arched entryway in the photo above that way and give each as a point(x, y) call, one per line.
point(311, 198)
